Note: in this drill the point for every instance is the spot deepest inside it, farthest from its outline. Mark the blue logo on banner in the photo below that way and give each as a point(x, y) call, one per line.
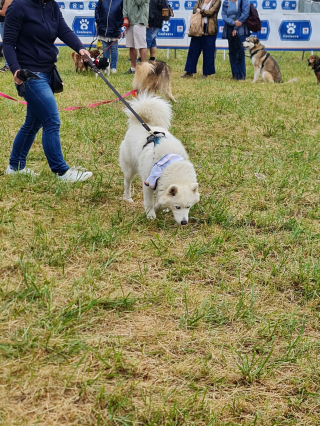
point(76, 5)
point(83, 26)
point(61, 5)
point(295, 30)
point(268, 4)
point(175, 5)
point(189, 5)
point(289, 5)
point(92, 5)
point(255, 3)
point(263, 34)
point(175, 28)
point(220, 28)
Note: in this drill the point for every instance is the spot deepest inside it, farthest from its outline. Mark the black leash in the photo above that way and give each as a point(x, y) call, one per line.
point(97, 71)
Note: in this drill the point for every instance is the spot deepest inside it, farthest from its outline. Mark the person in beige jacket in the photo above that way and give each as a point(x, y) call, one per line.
point(207, 42)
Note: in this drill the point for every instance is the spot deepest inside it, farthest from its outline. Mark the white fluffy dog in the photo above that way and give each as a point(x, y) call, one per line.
point(173, 180)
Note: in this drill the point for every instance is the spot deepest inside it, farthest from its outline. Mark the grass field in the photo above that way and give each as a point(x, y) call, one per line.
point(110, 319)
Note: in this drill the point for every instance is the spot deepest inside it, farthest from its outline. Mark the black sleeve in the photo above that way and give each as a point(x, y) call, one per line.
point(14, 22)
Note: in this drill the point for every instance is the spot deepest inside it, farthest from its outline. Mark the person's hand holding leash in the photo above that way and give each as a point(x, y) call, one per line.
point(126, 22)
point(16, 79)
point(83, 52)
point(234, 32)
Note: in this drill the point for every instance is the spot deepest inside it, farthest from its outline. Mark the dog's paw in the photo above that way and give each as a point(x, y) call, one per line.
point(253, 81)
point(151, 215)
point(128, 200)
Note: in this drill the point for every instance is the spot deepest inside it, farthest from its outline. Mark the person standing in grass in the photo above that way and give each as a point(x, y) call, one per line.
point(235, 13)
point(3, 8)
point(154, 25)
point(31, 29)
point(206, 44)
point(136, 13)
point(109, 20)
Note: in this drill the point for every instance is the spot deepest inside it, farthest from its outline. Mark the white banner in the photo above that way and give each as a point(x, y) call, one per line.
point(283, 27)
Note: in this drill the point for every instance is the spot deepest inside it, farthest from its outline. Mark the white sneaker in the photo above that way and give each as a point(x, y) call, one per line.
point(24, 171)
point(75, 174)
point(113, 70)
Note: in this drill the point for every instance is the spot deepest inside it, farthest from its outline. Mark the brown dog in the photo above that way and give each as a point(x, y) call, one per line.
point(80, 62)
point(314, 63)
point(153, 76)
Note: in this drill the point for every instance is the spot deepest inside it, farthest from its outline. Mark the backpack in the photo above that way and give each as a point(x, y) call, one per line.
point(253, 22)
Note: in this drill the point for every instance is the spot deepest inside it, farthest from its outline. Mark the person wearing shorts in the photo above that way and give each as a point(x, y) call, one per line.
point(154, 25)
point(135, 14)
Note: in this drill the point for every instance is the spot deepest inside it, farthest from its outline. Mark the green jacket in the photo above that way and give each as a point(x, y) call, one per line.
point(137, 11)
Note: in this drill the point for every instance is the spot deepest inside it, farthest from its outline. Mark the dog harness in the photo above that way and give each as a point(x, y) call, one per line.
point(155, 139)
point(158, 168)
point(256, 51)
point(267, 56)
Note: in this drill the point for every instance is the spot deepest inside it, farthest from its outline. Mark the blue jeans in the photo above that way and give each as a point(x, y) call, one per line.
point(42, 111)
point(151, 36)
point(236, 54)
point(1, 33)
point(114, 52)
point(207, 45)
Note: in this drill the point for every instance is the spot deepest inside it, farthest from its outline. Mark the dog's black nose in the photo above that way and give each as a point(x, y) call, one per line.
point(184, 222)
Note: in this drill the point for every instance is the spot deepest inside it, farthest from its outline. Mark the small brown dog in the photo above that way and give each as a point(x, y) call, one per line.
point(80, 62)
point(314, 63)
point(152, 76)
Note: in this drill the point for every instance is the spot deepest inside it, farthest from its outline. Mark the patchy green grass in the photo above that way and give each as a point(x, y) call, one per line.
point(107, 318)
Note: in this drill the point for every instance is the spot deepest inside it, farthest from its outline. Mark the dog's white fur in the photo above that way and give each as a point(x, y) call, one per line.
point(177, 188)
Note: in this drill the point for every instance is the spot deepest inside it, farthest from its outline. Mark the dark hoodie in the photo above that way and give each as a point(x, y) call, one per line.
point(31, 29)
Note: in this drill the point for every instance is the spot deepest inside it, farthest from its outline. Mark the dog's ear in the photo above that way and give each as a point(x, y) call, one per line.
point(194, 187)
point(172, 190)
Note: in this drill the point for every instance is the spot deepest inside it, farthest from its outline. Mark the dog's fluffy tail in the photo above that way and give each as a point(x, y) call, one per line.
point(293, 80)
point(74, 56)
point(142, 71)
point(154, 111)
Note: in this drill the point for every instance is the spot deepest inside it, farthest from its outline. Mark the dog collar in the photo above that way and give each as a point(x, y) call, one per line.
point(158, 168)
point(252, 54)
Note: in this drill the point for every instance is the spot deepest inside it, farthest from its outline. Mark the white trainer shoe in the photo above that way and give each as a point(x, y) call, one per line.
point(113, 70)
point(75, 174)
point(24, 171)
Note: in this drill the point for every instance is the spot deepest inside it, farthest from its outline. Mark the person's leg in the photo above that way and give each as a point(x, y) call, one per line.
point(193, 55)
point(105, 45)
point(149, 38)
point(133, 57)
point(6, 66)
point(114, 55)
point(242, 64)
point(140, 41)
point(143, 54)
point(40, 97)
point(209, 50)
point(153, 52)
point(24, 140)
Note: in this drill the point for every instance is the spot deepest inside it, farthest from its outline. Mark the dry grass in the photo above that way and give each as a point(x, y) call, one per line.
point(107, 318)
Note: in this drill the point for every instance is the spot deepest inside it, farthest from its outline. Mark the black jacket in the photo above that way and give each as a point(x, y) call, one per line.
point(30, 32)
point(155, 12)
point(109, 17)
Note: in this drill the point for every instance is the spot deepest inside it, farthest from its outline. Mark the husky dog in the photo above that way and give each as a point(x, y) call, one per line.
point(264, 64)
point(163, 165)
point(153, 76)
